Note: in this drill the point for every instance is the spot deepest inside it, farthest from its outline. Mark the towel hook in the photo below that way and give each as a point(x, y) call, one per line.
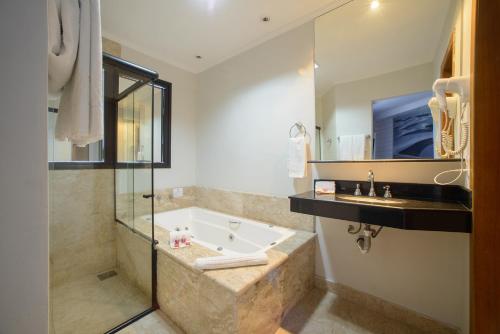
point(300, 127)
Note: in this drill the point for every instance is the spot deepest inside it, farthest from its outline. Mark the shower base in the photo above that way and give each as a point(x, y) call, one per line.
point(92, 306)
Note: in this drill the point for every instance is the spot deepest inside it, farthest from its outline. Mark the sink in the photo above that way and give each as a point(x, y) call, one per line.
point(369, 200)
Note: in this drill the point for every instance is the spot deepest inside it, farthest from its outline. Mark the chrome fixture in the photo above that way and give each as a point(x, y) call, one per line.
point(301, 129)
point(364, 239)
point(371, 179)
point(357, 192)
point(387, 193)
point(234, 224)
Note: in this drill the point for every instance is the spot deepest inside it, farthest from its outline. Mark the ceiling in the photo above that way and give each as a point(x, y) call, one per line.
point(176, 31)
point(354, 42)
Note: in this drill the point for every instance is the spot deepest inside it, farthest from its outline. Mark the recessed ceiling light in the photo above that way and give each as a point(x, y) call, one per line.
point(375, 4)
point(266, 19)
point(316, 66)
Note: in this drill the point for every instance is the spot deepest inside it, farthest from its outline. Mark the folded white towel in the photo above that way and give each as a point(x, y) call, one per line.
point(297, 157)
point(80, 117)
point(231, 261)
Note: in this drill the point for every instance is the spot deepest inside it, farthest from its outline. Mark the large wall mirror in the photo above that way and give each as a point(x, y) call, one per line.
point(375, 65)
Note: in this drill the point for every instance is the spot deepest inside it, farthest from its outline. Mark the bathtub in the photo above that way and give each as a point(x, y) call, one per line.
point(223, 233)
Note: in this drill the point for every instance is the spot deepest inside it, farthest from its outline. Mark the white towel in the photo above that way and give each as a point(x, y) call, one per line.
point(345, 148)
point(231, 261)
point(359, 147)
point(80, 117)
point(297, 157)
point(63, 29)
point(353, 147)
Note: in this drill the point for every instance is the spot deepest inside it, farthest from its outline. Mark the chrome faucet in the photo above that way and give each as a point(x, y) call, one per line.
point(387, 193)
point(371, 179)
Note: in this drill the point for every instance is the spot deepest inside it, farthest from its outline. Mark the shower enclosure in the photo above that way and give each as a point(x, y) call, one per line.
point(102, 257)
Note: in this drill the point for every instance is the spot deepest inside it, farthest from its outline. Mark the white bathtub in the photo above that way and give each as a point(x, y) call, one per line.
point(223, 233)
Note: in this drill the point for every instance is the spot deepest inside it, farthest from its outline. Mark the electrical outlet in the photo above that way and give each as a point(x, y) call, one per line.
point(177, 192)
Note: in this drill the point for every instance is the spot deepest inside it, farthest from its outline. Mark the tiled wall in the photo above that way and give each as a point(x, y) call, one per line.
point(83, 235)
point(268, 209)
point(82, 230)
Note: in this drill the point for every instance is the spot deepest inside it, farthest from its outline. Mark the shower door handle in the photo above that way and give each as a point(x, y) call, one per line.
point(147, 196)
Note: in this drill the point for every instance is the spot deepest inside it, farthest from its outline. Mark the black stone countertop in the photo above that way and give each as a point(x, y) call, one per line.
point(406, 212)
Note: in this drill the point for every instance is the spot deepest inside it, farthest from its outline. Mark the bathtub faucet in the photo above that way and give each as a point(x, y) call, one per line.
point(234, 224)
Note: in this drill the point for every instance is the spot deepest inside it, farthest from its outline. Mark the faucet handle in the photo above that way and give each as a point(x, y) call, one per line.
point(387, 193)
point(357, 192)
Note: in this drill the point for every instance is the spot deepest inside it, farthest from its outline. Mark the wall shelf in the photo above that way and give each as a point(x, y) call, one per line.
point(423, 207)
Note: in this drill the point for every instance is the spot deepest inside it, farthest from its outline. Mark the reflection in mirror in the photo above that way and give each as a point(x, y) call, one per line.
point(375, 67)
point(134, 123)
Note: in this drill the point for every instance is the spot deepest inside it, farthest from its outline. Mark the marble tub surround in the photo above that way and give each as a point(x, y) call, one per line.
point(387, 310)
point(269, 209)
point(81, 223)
point(238, 300)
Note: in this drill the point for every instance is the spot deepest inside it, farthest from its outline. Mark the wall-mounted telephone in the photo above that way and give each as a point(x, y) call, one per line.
point(456, 110)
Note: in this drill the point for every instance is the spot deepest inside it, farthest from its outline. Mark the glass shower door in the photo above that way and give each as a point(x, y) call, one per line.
point(101, 212)
point(134, 186)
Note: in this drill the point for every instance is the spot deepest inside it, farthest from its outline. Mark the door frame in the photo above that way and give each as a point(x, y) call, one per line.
point(485, 241)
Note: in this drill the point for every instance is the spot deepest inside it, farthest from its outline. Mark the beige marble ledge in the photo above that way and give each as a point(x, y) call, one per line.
point(237, 280)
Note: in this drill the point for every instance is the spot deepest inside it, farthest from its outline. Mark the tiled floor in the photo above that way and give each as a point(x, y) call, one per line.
point(320, 312)
point(323, 312)
point(91, 306)
point(154, 323)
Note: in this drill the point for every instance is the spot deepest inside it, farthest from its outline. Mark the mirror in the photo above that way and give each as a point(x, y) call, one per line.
point(375, 66)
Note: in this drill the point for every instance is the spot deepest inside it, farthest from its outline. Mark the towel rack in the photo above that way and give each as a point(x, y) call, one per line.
point(367, 137)
point(300, 127)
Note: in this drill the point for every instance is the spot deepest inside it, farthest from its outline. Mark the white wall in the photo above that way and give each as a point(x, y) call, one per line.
point(347, 107)
point(23, 178)
point(424, 271)
point(245, 109)
point(183, 171)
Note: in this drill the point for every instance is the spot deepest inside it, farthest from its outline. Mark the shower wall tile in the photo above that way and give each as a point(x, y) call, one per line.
point(82, 230)
point(268, 209)
point(111, 47)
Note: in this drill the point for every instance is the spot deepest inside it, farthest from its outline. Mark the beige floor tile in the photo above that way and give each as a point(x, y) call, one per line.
point(91, 306)
point(322, 312)
point(154, 323)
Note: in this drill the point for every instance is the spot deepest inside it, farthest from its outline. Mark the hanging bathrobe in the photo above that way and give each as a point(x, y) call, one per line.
point(63, 34)
point(80, 116)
